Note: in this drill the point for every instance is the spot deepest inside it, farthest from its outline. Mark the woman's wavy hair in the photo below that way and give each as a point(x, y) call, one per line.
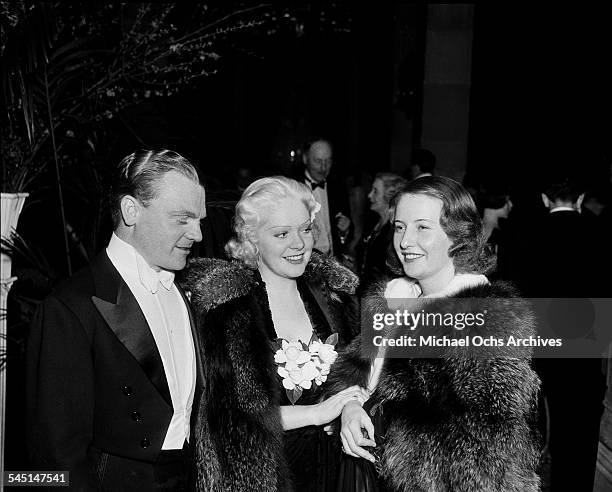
point(252, 209)
point(392, 183)
point(459, 219)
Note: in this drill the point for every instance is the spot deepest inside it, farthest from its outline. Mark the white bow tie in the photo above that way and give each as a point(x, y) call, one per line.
point(151, 279)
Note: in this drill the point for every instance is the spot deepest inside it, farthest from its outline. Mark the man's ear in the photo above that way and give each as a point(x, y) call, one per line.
point(579, 202)
point(130, 209)
point(545, 200)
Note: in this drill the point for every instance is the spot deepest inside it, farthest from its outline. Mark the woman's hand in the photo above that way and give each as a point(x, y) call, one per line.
point(355, 418)
point(297, 416)
point(328, 410)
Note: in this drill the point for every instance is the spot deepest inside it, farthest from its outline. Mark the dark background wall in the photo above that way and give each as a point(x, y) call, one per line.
point(541, 95)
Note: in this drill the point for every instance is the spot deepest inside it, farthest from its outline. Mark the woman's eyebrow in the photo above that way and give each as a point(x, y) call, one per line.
point(278, 227)
point(306, 222)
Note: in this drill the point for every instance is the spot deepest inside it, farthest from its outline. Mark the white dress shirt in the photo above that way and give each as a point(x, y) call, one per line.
point(322, 220)
point(166, 313)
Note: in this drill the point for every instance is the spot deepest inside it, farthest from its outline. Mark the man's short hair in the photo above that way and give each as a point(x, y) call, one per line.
point(563, 188)
point(138, 173)
point(493, 196)
point(309, 143)
point(424, 159)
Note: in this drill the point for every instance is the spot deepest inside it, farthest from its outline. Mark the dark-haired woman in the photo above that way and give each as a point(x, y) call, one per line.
point(454, 422)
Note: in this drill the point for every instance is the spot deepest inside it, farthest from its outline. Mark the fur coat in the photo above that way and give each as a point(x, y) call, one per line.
point(238, 433)
point(454, 424)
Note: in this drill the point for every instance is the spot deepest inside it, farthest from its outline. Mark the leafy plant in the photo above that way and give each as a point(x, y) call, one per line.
point(69, 68)
point(36, 277)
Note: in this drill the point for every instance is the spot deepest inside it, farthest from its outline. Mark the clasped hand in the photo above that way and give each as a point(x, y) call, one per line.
point(328, 410)
point(354, 419)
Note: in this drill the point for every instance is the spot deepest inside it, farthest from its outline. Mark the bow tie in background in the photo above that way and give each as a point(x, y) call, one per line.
point(314, 185)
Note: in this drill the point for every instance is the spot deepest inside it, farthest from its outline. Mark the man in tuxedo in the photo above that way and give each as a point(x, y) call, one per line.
point(565, 257)
point(332, 221)
point(567, 248)
point(113, 368)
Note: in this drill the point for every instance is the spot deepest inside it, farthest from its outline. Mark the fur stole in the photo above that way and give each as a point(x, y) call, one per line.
point(450, 423)
point(212, 282)
point(238, 432)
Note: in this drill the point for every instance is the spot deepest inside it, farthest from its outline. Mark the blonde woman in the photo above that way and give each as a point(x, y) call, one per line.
point(271, 322)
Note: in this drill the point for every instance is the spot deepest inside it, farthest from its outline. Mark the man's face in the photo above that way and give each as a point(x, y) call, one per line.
point(318, 160)
point(167, 227)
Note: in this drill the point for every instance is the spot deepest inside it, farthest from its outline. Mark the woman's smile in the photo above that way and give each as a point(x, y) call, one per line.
point(295, 259)
point(412, 256)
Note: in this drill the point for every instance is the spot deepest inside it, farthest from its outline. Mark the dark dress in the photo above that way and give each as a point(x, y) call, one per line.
point(311, 454)
point(375, 249)
point(357, 474)
point(239, 442)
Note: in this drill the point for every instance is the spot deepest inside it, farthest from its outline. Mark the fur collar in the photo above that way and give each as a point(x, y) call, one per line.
point(506, 314)
point(212, 282)
point(376, 299)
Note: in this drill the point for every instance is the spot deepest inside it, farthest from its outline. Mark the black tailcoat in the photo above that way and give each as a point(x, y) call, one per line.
point(98, 399)
point(569, 258)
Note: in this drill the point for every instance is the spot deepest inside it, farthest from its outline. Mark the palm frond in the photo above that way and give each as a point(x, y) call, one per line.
point(16, 247)
point(27, 51)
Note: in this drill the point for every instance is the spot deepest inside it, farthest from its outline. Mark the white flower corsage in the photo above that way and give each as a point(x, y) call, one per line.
point(299, 365)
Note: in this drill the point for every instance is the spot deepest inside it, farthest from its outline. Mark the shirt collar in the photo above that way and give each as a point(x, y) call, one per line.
point(562, 209)
point(311, 179)
point(130, 262)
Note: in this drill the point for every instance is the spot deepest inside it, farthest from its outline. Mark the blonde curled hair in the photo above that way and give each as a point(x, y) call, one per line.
point(252, 209)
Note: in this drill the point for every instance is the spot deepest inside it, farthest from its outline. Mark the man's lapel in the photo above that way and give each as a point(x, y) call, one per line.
point(121, 311)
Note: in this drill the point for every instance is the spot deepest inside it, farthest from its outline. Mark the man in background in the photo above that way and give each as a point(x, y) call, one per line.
point(423, 163)
point(332, 222)
point(565, 257)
